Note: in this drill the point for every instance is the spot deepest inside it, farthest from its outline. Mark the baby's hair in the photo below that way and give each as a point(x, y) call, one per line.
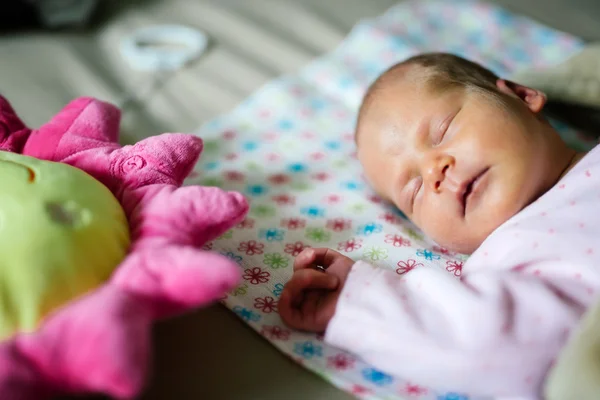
point(439, 72)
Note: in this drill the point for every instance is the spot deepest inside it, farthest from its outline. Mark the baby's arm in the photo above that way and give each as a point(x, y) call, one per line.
point(493, 333)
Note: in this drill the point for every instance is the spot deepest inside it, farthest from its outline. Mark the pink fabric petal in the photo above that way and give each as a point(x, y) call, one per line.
point(84, 124)
point(176, 278)
point(99, 343)
point(13, 132)
point(166, 159)
point(190, 215)
point(19, 379)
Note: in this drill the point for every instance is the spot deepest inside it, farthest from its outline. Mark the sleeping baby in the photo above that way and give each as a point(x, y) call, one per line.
point(470, 159)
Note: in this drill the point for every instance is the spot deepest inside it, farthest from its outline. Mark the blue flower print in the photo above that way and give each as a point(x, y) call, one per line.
point(428, 254)
point(345, 82)
point(232, 256)
point(308, 350)
point(245, 314)
point(277, 289)
point(352, 185)
point(209, 166)
point(297, 167)
point(377, 377)
point(369, 229)
point(272, 235)
point(286, 125)
point(317, 104)
point(249, 146)
point(333, 145)
point(313, 211)
point(452, 396)
point(257, 190)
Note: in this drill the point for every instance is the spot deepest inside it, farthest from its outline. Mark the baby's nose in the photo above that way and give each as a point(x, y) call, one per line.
point(436, 172)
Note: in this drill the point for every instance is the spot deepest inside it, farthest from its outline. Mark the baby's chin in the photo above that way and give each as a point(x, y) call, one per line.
point(463, 245)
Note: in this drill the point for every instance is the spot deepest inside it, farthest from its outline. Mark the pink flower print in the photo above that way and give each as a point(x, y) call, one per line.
point(442, 250)
point(321, 176)
point(284, 199)
point(348, 137)
point(350, 245)
point(375, 199)
point(297, 91)
point(266, 304)
point(397, 241)
point(339, 224)
point(454, 267)
point(333, 199)
point(295, 248)
point(341, 114)
point(414, 390)
point(309, 135)
point(207, 246)
point(360, 390)
point(270, 136)
point(256, 275)
point(390, 218)
point(405, 266)
point(341, 362)
point(306, 112)
point(279, 179)
point(234, 176)
point(229, 135)
point(293, 223)
point(231, 156)
point(264, 113)
point(275, 332)
point(317, 156)
point(248, 223)
point(273, 157)
point(251, 247)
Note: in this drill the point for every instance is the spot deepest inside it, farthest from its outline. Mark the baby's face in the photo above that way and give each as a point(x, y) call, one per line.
point(457, 163)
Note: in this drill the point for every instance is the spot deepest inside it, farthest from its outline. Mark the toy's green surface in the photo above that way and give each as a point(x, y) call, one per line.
point(62, 233)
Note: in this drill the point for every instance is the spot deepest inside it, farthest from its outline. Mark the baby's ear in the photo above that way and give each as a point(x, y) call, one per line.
point(533, 98)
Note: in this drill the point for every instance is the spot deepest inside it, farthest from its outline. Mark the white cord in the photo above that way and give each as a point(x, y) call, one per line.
point(162, 50)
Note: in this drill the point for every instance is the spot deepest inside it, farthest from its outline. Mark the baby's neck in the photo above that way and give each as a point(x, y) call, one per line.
point(577, 156)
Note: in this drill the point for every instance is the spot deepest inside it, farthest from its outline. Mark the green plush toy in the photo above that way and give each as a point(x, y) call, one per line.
point(62, 233)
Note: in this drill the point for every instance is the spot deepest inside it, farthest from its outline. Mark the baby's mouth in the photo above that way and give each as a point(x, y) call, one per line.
point(469, 187)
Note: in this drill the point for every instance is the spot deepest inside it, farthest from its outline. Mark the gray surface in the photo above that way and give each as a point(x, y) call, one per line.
point(210, 354)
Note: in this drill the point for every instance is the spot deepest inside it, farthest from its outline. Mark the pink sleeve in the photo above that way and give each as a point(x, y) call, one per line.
point(493, 333)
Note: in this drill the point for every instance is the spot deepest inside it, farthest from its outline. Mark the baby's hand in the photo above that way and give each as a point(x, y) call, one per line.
point(309, 299)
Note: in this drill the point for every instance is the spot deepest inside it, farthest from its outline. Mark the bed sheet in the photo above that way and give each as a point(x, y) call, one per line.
point(290, 149)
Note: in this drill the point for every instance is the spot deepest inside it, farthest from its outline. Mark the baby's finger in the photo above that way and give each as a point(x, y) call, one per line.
point(290, 313)
point(305, 259)
point(325, 257)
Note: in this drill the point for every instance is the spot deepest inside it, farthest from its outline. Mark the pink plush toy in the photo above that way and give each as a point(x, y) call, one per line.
point(100, 342)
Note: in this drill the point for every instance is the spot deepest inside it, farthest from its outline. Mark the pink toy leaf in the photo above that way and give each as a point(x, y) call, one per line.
point(191, 215)
point(166, 159)
point(19, 379)
point(177, 278)
point(85, 123)
point(99, 343)
point(13, 132)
